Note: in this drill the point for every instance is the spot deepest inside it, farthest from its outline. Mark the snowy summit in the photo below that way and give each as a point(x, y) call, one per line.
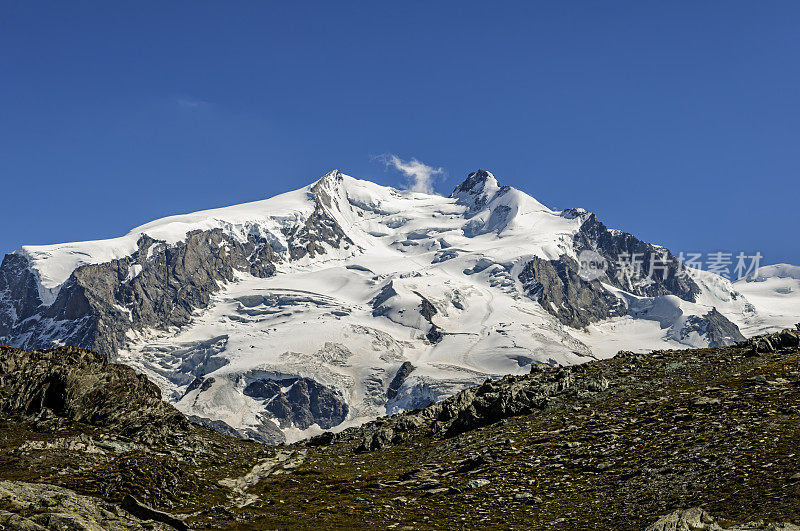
point(345, 300)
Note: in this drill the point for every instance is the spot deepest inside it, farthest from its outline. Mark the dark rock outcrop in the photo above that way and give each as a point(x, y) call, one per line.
point(145, 512)
point(559, 288)
point(479, 406)
point(80, 385)
point(786, 339)
point(158, 286)
point(627, 263)
point(428, 310)
point(402, 373)
point(19, 295)
point(661, 272)
point(299, 402)
point(36, 506)
point(473, 191)
point(719, 330)
point(320, 228)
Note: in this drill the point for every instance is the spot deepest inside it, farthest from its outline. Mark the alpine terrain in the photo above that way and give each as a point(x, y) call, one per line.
point(670, 440)
point(329, 306)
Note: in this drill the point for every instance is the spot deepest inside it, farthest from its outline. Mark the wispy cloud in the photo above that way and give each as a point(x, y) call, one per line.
point(191, 103)
point(420, 176)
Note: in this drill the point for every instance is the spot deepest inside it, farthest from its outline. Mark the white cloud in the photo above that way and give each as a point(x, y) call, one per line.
point(190, 103)
point(420, 175)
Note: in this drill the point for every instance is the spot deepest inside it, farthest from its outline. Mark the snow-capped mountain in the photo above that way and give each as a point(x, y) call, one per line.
point(333, 304)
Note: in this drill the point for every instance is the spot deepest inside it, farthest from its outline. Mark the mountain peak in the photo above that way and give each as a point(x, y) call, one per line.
point(477, 182)
point(477, 190)
point(332, 178)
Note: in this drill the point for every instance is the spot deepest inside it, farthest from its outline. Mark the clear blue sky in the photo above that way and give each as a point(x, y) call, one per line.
point(677, 121)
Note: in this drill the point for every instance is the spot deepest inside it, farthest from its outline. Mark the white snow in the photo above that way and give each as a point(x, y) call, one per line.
point(53, 264)
point(774, 295)
point(318, 318)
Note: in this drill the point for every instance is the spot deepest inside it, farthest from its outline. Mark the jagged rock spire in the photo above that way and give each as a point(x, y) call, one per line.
point(477, 190)
point(476, 183)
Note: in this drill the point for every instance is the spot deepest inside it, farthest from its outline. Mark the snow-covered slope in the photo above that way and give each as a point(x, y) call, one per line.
point(345, 300)
point(53, 264)
point(775, 295)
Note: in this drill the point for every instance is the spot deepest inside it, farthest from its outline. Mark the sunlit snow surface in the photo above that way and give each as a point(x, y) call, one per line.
point(775, 294)
point(349, 319)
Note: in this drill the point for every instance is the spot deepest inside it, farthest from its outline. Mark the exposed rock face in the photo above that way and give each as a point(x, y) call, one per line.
point(378, 303)
point(480, 406)
point(72, 419)
point(320, 228)
point(558, 287)
point(719, 330)
point(35, 506)
point(19, 296)
point(785, 339)
point(428, 310)
point(660, 270)
point(299, 402)
point(512, 396)
point(697, 519)
point(651, 271)
point(477, 190)
point(402, 373)
point(157, 287)
point(82, 386)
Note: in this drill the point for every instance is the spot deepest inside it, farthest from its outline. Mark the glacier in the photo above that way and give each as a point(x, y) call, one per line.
point(328, 306)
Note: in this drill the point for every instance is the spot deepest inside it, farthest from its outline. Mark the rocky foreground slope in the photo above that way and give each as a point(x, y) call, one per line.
point(674, 439)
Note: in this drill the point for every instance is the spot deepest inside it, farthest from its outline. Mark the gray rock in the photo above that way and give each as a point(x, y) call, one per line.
point(685, 520)
point(36, 506)
point(306, 402)
point(381, 438)
point(82, 386)
point(491, 402)
point(99, 303)
point(613, 244)
point(477, 483)
point(788, 339)
point(558, 287)
point(472, 192)
point(769, 343)
point(697, 519)
point(719, 330)
point(145, 512)
point(402, 373)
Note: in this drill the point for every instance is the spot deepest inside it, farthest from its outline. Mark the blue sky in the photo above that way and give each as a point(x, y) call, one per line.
point(677, 121)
